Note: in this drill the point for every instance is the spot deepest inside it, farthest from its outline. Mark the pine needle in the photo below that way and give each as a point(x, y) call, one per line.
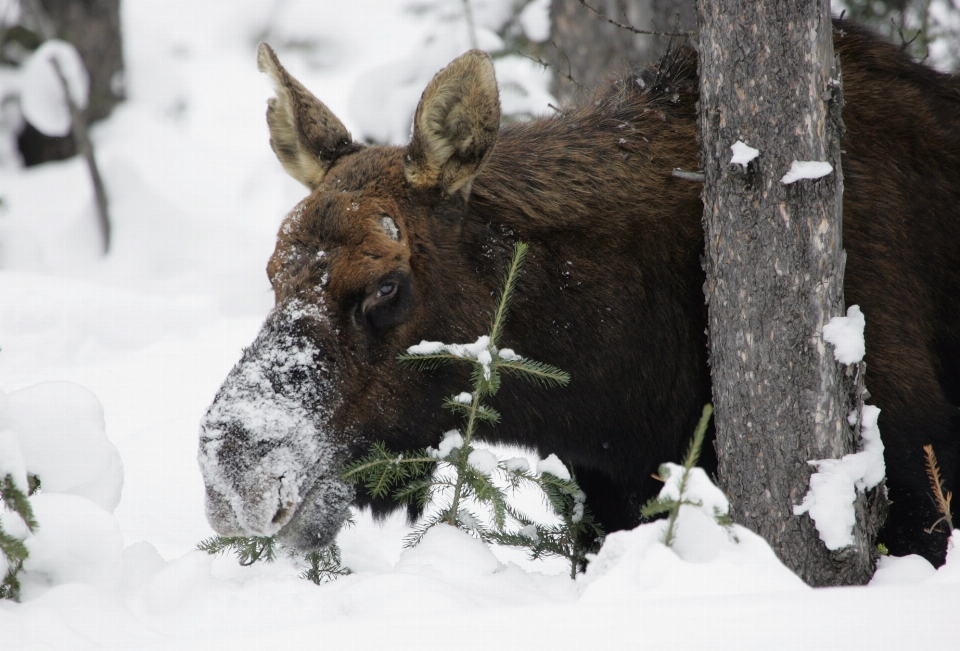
point(13, 549)
point(519, 253)
point(943, 502)
point(543, 374)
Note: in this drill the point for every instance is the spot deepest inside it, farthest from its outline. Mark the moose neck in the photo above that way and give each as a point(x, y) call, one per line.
point(615, 241)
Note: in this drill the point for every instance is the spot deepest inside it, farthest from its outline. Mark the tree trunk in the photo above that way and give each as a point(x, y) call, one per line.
point(591, 50)
point(774, 264)
point(93, 27)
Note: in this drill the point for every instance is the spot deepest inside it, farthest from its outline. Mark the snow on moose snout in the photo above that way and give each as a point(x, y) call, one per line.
point(266, 454)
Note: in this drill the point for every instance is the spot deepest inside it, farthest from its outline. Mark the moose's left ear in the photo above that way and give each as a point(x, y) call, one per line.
point(456, 125)
point(305, 135)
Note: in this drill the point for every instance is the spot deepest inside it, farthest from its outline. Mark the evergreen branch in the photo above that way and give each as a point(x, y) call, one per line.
point(17, 501)
point(482, 385)
point(381, 470)
point(543, 374)
point(656, 506)
point(13, 549)
point(519, 253)
point(416, 492)
point(324, 565)
point(943, 502)
point(249, 549)
point(631, 28)
point(696, 444)
point(428, 362)
point(484, 413)
point(558, 489)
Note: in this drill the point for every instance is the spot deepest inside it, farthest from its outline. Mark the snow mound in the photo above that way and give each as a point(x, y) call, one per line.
point(446, 551)
point(77, 542)
point(60, 431)
point(635, 564)
point(705, 558)
point(55, 430)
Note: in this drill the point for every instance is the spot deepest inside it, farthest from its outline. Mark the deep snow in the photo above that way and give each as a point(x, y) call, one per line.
point(106, 368)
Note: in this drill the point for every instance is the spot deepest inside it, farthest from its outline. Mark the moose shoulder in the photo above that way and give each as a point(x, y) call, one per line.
point(394, 245)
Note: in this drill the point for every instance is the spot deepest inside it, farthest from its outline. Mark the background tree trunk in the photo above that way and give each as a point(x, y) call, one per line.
point(591, 50)
point(93, 27)
point(775, 263)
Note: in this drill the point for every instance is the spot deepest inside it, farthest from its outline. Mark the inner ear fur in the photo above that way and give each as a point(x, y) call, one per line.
point(455, 126)
point(304, 134)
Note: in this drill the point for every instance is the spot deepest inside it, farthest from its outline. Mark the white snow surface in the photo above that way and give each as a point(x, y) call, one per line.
point(108, 365)
point(846, 335)
point(742, 154)
point(808, 169)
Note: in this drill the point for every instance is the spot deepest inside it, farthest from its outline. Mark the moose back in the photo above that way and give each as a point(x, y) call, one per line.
point(395, 245)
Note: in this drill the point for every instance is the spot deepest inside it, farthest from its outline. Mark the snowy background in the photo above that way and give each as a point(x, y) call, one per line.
point(107, 365)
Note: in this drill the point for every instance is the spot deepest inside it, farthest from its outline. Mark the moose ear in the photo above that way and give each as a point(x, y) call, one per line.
point(304, 134)
point(456, 125)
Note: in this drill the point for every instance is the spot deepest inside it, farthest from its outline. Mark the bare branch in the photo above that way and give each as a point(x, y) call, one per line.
point(688, 176)
point(631, 28)
point(85, 147)
point(547, 64)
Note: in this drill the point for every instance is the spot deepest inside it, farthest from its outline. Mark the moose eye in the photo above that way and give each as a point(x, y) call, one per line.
point(386, 289)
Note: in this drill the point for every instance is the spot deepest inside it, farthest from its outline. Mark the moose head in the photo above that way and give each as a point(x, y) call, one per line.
point(356, 279)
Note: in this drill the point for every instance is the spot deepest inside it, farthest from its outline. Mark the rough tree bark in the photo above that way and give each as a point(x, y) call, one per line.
point(774, 263)
point(590, 50)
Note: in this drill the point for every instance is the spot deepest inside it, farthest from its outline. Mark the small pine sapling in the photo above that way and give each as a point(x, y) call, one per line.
point(464, 473)
point(12, 548)
point(943, 501)
point(671, 504)
point(321, 566)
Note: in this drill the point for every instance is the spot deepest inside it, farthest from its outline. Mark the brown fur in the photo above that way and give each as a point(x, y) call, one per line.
point(612, 289)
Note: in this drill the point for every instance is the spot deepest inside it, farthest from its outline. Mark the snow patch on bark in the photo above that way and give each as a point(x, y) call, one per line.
point(807, 169)
point(833, 488)
point(742, 154)
point(846, 335)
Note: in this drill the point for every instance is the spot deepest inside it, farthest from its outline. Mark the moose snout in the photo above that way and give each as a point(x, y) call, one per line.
point(251, 486)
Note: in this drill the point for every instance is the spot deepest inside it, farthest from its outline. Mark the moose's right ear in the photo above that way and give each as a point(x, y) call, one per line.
point(304, 134)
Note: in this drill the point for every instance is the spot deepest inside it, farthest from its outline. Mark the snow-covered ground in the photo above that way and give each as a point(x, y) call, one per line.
point(106, 367)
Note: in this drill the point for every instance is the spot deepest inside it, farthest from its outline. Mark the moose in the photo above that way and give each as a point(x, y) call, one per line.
point(394, 245)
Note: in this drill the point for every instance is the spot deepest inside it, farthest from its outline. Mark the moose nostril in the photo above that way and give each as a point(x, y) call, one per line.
point(285, 505)
point(281, 513)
